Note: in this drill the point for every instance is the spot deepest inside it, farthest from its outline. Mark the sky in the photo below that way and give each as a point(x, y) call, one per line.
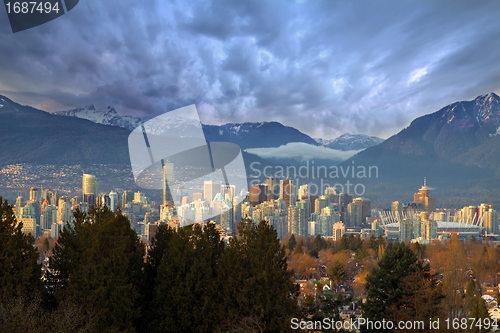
point(323, 67)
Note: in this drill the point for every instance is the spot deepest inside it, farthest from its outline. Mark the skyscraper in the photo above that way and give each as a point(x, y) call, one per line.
point(210, 189)
point(491, 221)
point(127, 197)
point(273, 189)
point(168, 177)
point(113, 197)
point(34, 194)
point(354, 214)
point(90, 188)
point(287, 192)
point(422, 197)
point(257, 194)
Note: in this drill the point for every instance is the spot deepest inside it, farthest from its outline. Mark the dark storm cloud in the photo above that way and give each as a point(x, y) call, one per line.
point(323, 67)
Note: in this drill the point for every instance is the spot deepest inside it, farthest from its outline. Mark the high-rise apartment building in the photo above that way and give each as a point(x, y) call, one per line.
point(490, 221)
point(64, 210)
point(406, 230)
point(296, 221)
point(355, 213)
point(429, 229)
point(366, 207)
point(338, 231)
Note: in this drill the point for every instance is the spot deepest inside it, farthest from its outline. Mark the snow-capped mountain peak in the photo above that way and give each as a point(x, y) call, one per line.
point(107, 116)
point(349, 141)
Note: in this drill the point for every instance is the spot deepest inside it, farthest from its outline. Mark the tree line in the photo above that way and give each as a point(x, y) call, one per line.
point(102, 280)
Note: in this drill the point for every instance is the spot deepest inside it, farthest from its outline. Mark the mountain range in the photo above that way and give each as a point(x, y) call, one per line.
point(349, 141)
point(107, 116)
point(457, 146)
point(246, 135)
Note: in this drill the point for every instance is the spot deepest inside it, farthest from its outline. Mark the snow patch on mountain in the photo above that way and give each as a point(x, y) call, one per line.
point(348, 141)
point(107, 116)
point(323, 142)
point(497, 132)
point(178, 126)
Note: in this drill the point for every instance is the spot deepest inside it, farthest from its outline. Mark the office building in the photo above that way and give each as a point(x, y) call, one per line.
point(287, 192)
point(210, 189)
point(428, 203)
point(257, 194)
point(273, 188)
point(113, 201)
point(90, 189)
point(34, 194)
point(355, 214)
point(168, 178)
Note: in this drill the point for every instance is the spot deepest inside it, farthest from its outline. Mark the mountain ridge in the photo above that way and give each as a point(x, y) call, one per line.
point(456, 144)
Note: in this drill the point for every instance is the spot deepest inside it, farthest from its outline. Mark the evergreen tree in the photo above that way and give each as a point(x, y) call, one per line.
point(381, 241)
point(479, 311)
point(259, 283)
point(20, 274)
point(362, 253)
point(344, 243)
point(292, 242)
point(475, 305)
point(401, 288)
point(98, 264)
point(319, 243)
point(372, 242)
point(298, 249)
point(188, 293)
point(337, 273)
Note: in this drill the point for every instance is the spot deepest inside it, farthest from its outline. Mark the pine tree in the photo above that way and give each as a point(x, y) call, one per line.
point(259, 283)
point(319, 243)
point(188, 293)
point(372, 242)
point(98, 263)
point(20, 274)
point(292, 242)
point(401, 288)
point(337, 273)
point(160, 245)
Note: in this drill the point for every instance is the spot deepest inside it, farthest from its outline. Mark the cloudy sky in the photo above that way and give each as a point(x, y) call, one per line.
point(324, 67)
